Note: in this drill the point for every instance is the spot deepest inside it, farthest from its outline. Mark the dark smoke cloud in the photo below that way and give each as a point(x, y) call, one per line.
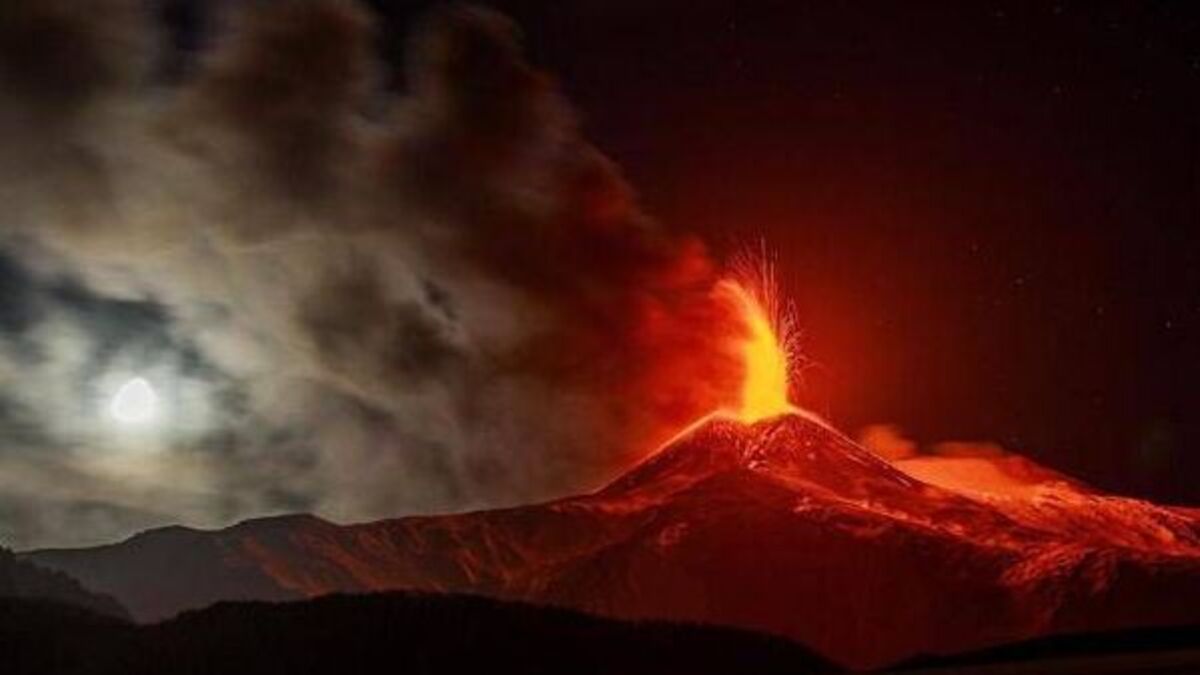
point(351, 300)
point(58, 57)
point(492, 152)
point(278, 103)
point(405, 342)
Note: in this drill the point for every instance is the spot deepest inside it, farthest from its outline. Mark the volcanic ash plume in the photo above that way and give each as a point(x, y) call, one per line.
point(350, 299)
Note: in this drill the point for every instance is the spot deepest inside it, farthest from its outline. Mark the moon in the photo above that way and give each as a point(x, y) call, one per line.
point(134, 403)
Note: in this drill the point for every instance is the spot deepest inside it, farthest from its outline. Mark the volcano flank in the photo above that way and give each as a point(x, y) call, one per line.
point(783, 525)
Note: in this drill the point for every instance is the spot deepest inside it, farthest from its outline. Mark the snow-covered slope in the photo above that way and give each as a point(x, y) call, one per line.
point(784, 526)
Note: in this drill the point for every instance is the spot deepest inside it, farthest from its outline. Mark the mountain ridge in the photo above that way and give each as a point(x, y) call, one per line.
point(782, 526)
point(22, 579)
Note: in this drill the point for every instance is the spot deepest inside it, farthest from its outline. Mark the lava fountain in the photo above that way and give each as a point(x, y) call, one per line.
point(764, 354)
point(765, 341)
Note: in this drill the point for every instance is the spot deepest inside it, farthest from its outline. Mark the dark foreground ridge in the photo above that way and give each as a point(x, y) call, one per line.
point(1167, 649)
point(384, 632)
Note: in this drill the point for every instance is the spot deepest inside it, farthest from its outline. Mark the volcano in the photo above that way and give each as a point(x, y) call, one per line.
point(781, 525)
point(762, 516)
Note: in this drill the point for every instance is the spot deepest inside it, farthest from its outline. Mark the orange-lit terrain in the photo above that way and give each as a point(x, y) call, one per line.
point(761, 517)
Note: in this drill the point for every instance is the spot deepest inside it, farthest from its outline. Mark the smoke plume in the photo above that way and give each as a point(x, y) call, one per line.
point(355, 300)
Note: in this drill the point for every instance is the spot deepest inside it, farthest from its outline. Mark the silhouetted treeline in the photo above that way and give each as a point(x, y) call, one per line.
point(392, 633)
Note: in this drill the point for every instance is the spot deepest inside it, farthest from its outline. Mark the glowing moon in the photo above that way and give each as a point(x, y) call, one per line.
point(134, 403)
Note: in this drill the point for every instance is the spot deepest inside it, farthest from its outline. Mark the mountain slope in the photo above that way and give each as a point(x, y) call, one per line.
point(24, 580)
point(783, 526)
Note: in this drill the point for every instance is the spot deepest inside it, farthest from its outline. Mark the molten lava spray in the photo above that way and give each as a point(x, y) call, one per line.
point(766, 343)
point(763, 338)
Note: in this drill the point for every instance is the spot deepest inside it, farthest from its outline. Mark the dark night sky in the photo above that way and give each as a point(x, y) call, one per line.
point(986, 211)
point(359, 259)
point(983, 212)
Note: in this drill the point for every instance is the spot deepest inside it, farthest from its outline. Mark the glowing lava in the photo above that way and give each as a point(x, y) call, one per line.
point(763, 337)
point(765, 350)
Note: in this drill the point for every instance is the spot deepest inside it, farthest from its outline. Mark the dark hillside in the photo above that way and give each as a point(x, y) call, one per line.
point(384, 633)
point(24, 579)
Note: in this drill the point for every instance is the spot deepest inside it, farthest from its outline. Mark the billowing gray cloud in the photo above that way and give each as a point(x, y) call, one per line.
point(350, 300)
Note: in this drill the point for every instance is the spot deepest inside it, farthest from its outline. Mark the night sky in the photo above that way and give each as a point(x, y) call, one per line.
point(370, 258)
point(987, 212)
